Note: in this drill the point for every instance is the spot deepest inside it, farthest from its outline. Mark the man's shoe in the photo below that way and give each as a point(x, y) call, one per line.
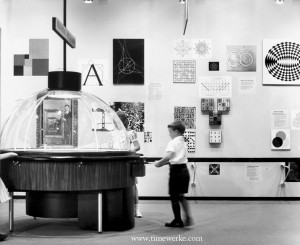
point(2, 236)
point(178, 224)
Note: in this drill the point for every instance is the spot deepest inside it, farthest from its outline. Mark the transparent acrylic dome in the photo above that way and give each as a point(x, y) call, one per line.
point(59, 120)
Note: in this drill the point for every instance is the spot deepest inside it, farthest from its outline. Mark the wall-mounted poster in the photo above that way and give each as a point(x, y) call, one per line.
point(187, 115)
point(241, 58)
point(213, 66)
point(182, 49)
point(279, 119)
point(190, 139)
point(280, 139)
point(191, 48)
point(155, 91)
point(35, 61)
point(94, 72)
point(281, 64)
point(135, 114)
point(128, 61)
point(202, 48)
point(247, 85)
point(148, 137)
point(211, 86)
point(214, 169)
point(184, 71)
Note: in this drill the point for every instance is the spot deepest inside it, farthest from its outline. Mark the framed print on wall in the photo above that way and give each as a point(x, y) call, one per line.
point(128, 61)
point(281, 62)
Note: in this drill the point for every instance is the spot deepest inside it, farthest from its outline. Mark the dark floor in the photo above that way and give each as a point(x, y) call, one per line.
point(216, 223)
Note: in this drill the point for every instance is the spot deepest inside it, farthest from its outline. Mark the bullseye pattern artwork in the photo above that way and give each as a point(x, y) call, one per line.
point(281, 62)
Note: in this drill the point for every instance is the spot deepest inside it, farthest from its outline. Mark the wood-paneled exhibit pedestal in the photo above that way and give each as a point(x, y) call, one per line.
point(70, 185)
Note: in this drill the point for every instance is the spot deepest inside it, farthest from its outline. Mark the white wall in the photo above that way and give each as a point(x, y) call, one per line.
point(246, 129)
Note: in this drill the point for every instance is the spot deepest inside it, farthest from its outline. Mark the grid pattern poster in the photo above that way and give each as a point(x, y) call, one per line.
point(190, 139)
point(184, 71)
point(187, 115)
point(281, 64)
point(128, 61)
point(35, 60)
point(135, 114)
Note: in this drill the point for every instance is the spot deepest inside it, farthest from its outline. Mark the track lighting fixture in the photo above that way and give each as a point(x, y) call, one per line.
point(279, 1)
point(88, 1)
point(182, 1)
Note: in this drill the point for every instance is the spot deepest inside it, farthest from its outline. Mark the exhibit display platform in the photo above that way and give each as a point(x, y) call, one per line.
point(96, 188)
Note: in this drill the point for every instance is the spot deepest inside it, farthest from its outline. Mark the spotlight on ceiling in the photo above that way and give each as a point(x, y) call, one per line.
point(279, 1)
point(88, 1)
point(182, 1)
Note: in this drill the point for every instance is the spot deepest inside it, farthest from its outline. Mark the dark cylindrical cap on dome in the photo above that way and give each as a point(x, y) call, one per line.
point(64, 80)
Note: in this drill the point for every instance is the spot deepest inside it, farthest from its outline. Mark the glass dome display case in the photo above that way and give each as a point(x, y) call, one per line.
point(71, 148)
point(63, 120)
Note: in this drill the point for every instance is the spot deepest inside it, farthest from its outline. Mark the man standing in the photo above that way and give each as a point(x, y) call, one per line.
point(67, 125)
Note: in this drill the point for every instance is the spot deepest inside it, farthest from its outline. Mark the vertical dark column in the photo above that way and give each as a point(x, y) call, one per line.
point(65, 43)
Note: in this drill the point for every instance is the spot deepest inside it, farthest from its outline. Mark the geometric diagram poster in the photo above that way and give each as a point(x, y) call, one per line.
point(241, 58)
point(214, 169)
point(35, 62)
point(190, 139)
point(187, 115)
point(215, 86)
point(94, 72)
point(128, 61)
point(135, 114)
point(295, 119)
point(184, 71)
point(281, 64)
point(191, 48)
point(280, 139)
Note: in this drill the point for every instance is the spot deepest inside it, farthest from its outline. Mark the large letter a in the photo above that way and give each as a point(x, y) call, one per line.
point(95, 75)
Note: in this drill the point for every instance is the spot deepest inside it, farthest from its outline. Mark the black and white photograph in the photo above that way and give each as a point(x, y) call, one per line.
point(150, 122)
